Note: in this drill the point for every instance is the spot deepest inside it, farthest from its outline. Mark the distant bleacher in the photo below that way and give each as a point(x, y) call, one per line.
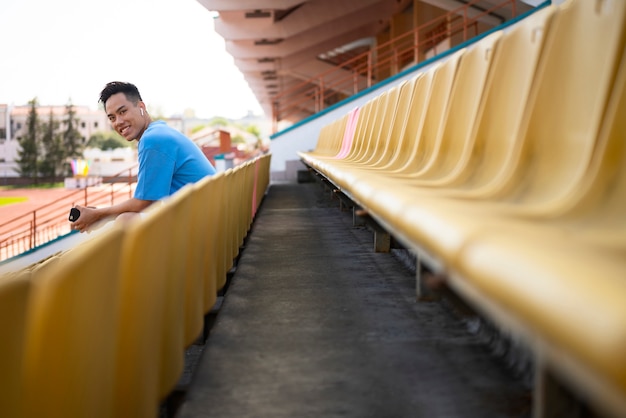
point(503, 168)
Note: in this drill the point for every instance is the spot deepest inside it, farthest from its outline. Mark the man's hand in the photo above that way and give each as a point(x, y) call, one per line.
point(88, 216)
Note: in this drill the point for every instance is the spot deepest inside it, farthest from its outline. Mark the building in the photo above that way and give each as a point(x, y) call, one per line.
point(13, 121)
point(8, 148)
point(13, 125)
point(88, 121)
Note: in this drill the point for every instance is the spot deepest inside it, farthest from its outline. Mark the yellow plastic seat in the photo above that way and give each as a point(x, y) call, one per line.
point(442, 225)
point(565, 274)
point(348, 133)
point(71, 332)
point(591, 246)
point(144, 312)
point(14, 292)
point(370, 119)
point(376, 138)
point(379, 136)
point(405, 136)
point(434, 118)
point(261, 181)
point(178, 308)
point(455, 142)
point(421, 136)
point(449, 141)
point(330, 138)
point(245, 206)
point(47, 263)
point(235, 202)
point(396, 124)
point(329, 141)
point(335, 140)
point(497, 131)
point(230, 228)
point(579, 34)
point(188, 261)
point(496, 134)
point(566, 300)
point(546, 256)
point(530, 220)
point(222, 264)
point(360, 137)
point(208, 217)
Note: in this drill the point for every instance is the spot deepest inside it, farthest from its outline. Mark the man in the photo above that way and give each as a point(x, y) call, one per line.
point(168, 160)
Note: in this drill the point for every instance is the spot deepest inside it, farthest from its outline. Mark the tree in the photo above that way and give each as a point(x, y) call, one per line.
point(72, 141)
point(237, 139)
point(254, 130)
point(107, 140)
point(28, 154)
point(53, 160)
point(218, 121)
point(197, 128)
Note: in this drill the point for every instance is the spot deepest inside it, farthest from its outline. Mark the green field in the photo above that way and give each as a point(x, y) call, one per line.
point(12, 199)
point(34, 186)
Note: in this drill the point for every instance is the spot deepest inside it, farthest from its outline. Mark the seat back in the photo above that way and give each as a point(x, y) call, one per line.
point(599, 214)
point(434, 117)
point(404, 136)
point(395, 125)
point(367, 115)
point(574, 79)
point(72, 329)
point(188, 261)
point(208, 218)
point(14, 292)
point(379, 137)
point(348, 132)
point(177, 320)
point(222, 264)
point(330, 138)
point(447, 151)
point(145, 279)
point(497, 132)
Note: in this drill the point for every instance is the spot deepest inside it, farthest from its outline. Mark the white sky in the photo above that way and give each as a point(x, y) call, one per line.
point(57, 50)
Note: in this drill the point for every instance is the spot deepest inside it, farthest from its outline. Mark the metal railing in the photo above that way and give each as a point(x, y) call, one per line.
point(383, 61)
point(50, 221)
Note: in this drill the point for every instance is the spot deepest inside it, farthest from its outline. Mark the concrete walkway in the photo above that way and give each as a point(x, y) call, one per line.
point(315, 324)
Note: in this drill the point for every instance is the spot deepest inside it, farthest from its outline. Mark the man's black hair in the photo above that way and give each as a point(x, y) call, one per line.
point(130, 91)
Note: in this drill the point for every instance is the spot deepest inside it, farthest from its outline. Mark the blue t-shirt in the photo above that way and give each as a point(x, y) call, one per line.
point(168, 160)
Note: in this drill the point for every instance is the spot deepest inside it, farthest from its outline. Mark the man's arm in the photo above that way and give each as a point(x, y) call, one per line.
point(89, 216)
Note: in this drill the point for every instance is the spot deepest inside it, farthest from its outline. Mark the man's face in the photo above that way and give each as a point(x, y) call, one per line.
point(126, 117)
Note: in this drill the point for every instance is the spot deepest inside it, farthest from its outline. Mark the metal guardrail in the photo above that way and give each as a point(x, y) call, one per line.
point(383, 61)
point(49, 221)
